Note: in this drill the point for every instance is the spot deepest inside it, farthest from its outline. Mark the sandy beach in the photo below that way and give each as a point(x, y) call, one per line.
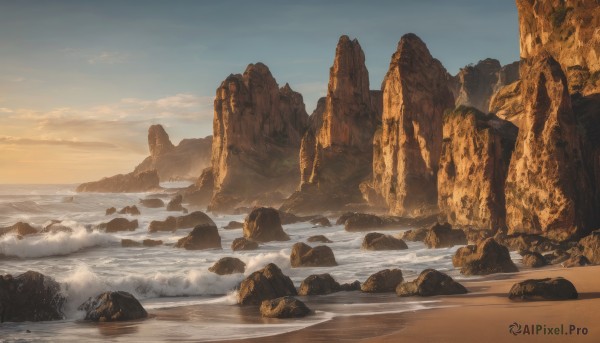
point(484, 315)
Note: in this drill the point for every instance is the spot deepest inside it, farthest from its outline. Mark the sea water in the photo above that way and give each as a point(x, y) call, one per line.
point(184, 299)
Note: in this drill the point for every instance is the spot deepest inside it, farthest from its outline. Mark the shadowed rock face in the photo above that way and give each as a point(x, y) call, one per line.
point(543, 289)
point(113, 306)
point(475, 84)
point(547, 189)
point(568, 30)
point(123, 183)
point(257, 130)
point(30, 296)
point(407, 150)
point(265, 284)
point(476, 153)
point(336, 151)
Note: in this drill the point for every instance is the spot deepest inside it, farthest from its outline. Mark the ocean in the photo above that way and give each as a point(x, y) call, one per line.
point(185, 301)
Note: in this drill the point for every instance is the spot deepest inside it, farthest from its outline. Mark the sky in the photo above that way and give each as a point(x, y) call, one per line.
point(81, 81)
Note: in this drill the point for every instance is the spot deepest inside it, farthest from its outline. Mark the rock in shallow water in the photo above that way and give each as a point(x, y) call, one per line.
point(242, 243)
point(202, 237)
point(265, 284)
point(383, 281)
point(487, 257)
point(113, 306)
point(228, 265)
point(543, 289)
point(430, 282)
point(318, 285)
point(284, 307)
point(443, 236)
point(263, 225)
point(304, 256)
point(379, 241)
point(30, 296)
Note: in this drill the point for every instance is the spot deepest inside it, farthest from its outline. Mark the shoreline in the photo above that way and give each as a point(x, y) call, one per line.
point(483, 314)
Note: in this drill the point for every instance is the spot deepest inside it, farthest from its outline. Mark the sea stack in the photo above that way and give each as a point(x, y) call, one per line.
point(257, 129)
point(408, 146)
point(336, 151)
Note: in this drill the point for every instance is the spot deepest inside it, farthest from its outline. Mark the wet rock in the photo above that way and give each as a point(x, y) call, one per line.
point(233, 225)
point(533, 259)
point(228, 265)
point(133, 210)
point(429, 283)
point(30, 296)
point(194, 219)
point(120, 224)
point(175, 204)
point(304, 256)
point(362, 222)
point(383, 281)
point(129, 243)
point(475, 236)
point(349, 287)
point(319, 284)
point(462, 254)
point(590, 246)
point(284, 307)
point(169, 224)
point(415, 235)
point(321, 221)
point(152, 203)
point(123, 183)
point(379, 241)
point(487, 257)
point(20, 229)
point(263, 225)
point(242, 243)
point(575, 261)
point(557, 256)
point(318, 238)
point(543, 289)
point(151, 242)
point(110, 211)
point(202, 237)
point(265, 284)
point(112, 307)
point(56, 227)
point(443, 236)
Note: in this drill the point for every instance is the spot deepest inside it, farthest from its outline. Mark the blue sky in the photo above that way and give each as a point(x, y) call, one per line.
point(103, 71)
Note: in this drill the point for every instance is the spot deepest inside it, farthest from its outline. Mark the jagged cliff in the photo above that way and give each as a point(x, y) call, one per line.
point(408, 146)
point(257, 129)
point(570, 31)
point(476, 152)
point(336, 151)
point(182, 162)
point(547, 189)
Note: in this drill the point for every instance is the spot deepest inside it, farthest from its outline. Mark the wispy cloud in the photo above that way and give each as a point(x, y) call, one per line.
point(109, 57)
point(56, 142)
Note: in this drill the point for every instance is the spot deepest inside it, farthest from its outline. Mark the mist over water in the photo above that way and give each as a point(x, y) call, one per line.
point(173, 281)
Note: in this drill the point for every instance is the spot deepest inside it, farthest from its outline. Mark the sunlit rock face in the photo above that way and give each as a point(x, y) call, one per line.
point(336, 152)
point(182, 162)
point(257, 129)
point(569, 31)
point(548, 191)
point(407, 148)
point(476, 152)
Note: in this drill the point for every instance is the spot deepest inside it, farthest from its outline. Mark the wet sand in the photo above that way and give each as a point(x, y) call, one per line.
point(484, 315)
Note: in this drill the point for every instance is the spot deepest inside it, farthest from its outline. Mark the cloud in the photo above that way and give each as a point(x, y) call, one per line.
point(109, 57)
point(58, 142)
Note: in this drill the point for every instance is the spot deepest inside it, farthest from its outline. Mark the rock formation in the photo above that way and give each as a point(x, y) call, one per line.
point(265, 284)
point(30, 297)
point(507, 103)
point(228, 265)
point(547, 188)
point(475, 157)
point(284, 307)
point(123, 183)
point(568, 30)
point(474, 85)
point(543, 289)
point(263, 225)
point(113, 306)
point(408, 147)
point(383, 281)
point(429, 283)
point(205, 236)
point(319, 284)
point(257, 130)
point(336, 150)
point(379, 241)
point(487, 257)
point(303, 255)
point(443, 236)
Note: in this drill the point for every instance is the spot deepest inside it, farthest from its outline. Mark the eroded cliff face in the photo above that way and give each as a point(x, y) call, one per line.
point(257, 129)
point(182, 162)
point(570, 31)
point(336, 151)
point(507, 103)
point(476, 152)
point(408, 147)
point(547, 188)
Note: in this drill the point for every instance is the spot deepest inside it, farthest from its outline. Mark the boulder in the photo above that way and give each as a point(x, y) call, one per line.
point(320, 221)
point(129, 243)
point(194, 219)
point(56, 227)
point(151, 242)
point(175, 204)
point(228, 265)
point(123, 183)
point(543, 289)
point(169, 224)
point(415, 235)
point(243, 243)
point(443, 236)
point(263, 225)
point(319, 284)
point(575, 261)
point(200, 193)
point(318, 238)
point(152, 203)
point(379, 241)
point(120, 224)
point(430, 282)
point(349, 287)
point(590, 246)
point(533, 259)
point(284, 307)
point(462, 254)
point(488, 257)
point(110, 211)
point(202, 237)
point(233, 225)
point(20, 229)
point(113, 307)
point(342, 219)
point(304, 256)
point(265, 284)
point(362, 222)
point(132, 210)
point(383, 281)
point(475, 236)
point(30, 297)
